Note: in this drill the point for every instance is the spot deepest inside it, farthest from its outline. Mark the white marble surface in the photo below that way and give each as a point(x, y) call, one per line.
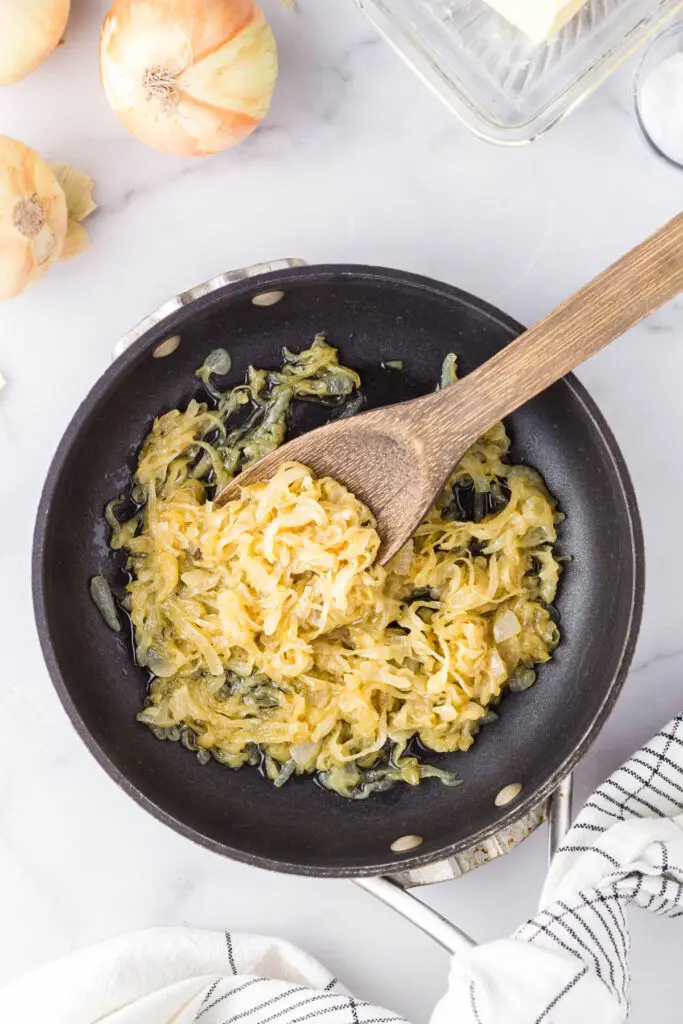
point(357, 162)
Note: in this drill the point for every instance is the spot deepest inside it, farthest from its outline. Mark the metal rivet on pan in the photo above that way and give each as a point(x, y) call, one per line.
point(406, 843)
point(267, 298)
point(508, 794)
point(167, 348)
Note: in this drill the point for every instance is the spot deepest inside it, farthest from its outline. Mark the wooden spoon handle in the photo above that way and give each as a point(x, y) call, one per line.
point(632, 288)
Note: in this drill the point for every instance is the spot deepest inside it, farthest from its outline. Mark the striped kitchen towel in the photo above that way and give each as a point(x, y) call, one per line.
point(566, 964)
point(571, 959)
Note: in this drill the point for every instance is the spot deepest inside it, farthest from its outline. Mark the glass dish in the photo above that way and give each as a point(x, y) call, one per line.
point(664, 46)
point(503, 86)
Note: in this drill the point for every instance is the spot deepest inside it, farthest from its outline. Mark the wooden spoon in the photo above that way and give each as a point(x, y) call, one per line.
point(397, 459)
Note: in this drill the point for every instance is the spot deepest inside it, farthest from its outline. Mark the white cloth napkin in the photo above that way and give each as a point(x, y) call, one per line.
point(566, 964)
point(569, 962)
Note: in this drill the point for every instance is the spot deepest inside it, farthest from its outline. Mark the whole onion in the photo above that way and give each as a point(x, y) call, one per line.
point(190, 77)
point(41, 208)
point(29, 31)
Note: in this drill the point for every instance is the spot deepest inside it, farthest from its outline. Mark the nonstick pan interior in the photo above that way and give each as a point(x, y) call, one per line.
point(371, 316)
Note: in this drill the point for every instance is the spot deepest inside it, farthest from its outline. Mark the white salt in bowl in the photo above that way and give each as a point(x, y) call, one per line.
point(658, 95)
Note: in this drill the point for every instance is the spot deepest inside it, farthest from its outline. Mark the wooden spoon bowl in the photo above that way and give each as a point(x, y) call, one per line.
point(397, 459)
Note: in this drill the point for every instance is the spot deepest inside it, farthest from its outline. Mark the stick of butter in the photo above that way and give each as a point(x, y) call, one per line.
point(538, 19)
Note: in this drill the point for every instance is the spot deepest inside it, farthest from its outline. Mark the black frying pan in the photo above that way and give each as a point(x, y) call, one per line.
point(371, 315)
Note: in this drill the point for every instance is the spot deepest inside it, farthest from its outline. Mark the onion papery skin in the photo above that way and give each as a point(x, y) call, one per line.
point(29, 31)
point(33, 217)
point(188, 77)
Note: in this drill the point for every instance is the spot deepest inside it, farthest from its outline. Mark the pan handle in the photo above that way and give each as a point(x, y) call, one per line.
point(185, 298)
point(394, 892)
point(430, 921)
point(559, 815)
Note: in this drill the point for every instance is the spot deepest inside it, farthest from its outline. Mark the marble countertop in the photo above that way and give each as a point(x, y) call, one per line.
point(358, 163)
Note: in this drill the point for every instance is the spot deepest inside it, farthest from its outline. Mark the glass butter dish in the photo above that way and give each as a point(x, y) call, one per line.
point(503, 86)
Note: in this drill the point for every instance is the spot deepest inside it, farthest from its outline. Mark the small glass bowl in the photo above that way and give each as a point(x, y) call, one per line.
point(664, 45)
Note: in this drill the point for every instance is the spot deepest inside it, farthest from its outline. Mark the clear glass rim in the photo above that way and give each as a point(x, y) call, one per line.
point(477, 118)
point(676, 29)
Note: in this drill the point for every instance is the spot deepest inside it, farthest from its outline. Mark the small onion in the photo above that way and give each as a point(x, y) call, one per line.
point(190, 77)
point(40, 212)
point(33, 217)
point(29, 31)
